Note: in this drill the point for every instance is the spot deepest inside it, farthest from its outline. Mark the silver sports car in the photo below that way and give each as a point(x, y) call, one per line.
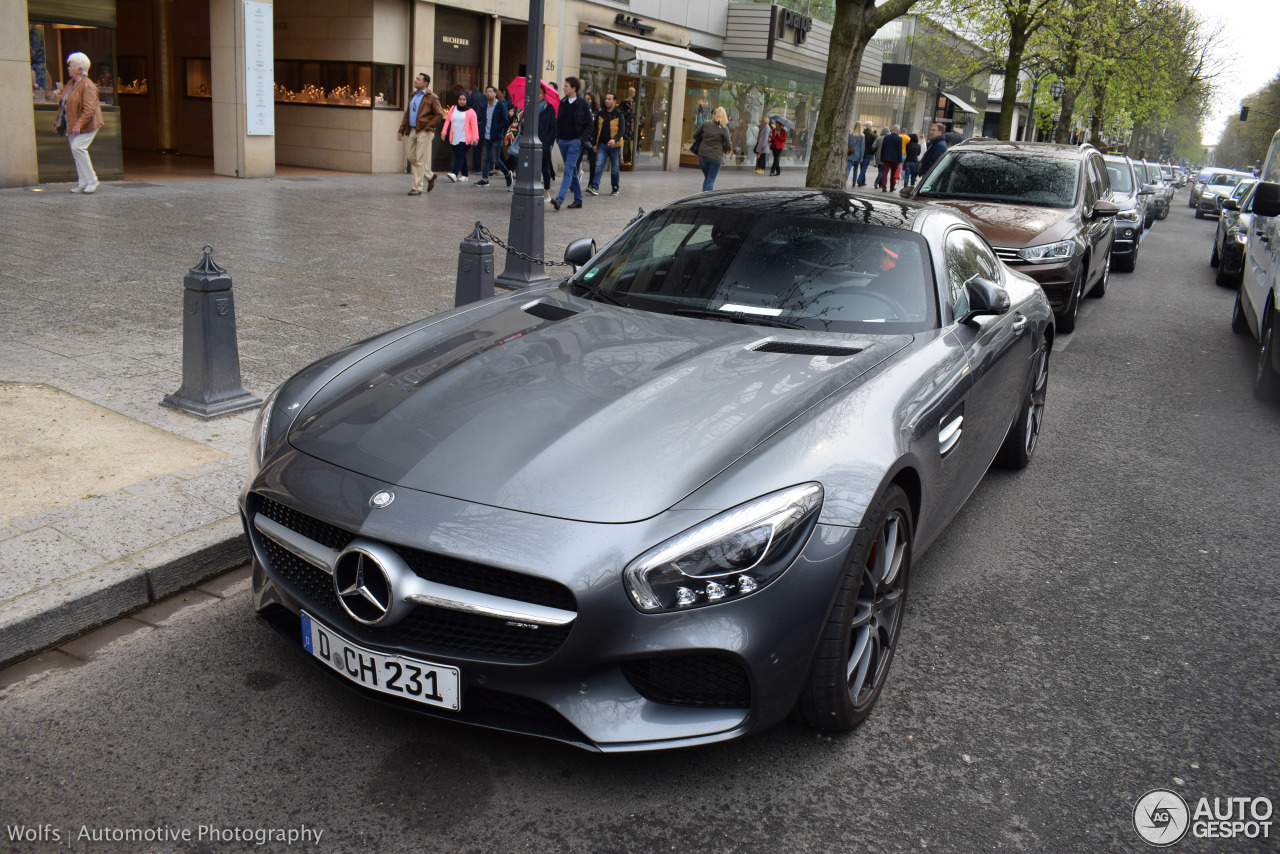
point(665, 501)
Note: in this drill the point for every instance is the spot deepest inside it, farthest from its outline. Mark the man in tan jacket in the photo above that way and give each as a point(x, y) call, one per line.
point(421, 119)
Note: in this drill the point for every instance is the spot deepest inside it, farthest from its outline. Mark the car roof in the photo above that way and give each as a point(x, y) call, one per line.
point(1039, 149)
point(823, 204)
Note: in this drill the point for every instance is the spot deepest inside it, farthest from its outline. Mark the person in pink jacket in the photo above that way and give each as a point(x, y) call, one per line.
point(461, 130)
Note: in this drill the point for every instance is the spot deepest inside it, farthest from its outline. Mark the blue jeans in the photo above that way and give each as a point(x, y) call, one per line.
point(710, 167)
point(570, 149)
point(910, 177)
point(614, 158)
point(866, 162)
point(850, 166)
point(492, 158)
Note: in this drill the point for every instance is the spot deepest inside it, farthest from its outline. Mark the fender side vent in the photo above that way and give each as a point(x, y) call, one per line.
point(802, 349)
point(547, 311)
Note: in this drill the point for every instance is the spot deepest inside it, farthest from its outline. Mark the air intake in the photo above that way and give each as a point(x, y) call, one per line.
point(546, 311)
point(799, 348)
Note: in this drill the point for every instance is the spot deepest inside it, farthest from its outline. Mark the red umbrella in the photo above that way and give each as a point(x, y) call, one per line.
point(516, 88)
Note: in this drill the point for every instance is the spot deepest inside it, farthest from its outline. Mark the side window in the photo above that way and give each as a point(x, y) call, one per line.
point(1090, 184)
point(1104, 179)
point(968, 257)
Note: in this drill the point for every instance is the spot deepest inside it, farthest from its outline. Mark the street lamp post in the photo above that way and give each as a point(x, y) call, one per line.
point(525, 232)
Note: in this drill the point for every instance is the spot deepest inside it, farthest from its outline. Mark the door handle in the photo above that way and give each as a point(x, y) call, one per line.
point(1019, 325)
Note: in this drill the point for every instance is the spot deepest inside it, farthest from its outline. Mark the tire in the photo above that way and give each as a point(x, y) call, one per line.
point(1199, 214)
point(1100, 290)
point(1020, 444)
point(1228, 280)
point(852, 660)
point(1266, 384)
point(1215, 258)
point(1164, 212)
point(1191, 202)
point(1066, 321)
point(1239, 325)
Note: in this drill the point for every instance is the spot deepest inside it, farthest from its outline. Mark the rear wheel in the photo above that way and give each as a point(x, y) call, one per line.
point(1266, 385)
point(1020, 444)
point(856, 648)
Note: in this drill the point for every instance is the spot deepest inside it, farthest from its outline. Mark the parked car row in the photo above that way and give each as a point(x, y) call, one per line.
point(1235, 216)
point(1214, 185)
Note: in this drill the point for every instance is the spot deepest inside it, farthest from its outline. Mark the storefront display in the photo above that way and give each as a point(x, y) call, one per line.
point(643, 91)
point(52, 43)
point(338, 84)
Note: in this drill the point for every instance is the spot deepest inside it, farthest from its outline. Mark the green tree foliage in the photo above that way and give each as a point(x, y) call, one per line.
point(856, 21)
point(1245, 143)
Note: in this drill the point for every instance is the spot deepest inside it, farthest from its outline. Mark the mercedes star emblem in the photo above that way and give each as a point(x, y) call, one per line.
point(381, 499)
point(363, 586)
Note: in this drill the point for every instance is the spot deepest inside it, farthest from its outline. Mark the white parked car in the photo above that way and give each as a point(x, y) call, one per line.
point(1256, 309)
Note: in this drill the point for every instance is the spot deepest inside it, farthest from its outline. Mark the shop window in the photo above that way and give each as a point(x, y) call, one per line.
point(338, 84)
point(51, 44)
point(133, 75)
point(197, 77)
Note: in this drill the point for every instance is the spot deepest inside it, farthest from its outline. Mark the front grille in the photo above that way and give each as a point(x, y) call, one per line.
point(1009, 256)
point(433, 567)
point(690, 680)
point(802, 349)
point(427, 630)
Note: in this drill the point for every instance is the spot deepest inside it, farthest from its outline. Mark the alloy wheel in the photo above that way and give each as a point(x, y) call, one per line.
point(878, 613)
point(1035, 406)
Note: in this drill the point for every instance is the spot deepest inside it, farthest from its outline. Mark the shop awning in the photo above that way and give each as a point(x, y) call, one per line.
point(663, 53)
point(968, 108)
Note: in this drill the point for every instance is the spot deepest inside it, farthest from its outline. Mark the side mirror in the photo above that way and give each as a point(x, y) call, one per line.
point(579, 252)
point(1150, 189)
point(985, 298)
point(1104, 208)
point(1146, 191)
point(1266, 199)
point(1230, 205)
point(908, 192)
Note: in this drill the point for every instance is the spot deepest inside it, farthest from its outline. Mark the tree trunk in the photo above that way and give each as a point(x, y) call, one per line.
point(1012, 67)
point(1095, 122)
point(1063, 127)
point(853, 28)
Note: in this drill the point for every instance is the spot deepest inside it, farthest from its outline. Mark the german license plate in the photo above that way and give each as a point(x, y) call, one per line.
point(420, 681)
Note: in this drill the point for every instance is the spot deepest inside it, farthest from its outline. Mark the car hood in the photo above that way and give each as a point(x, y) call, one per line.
point(609, 415)
point(1016, 226)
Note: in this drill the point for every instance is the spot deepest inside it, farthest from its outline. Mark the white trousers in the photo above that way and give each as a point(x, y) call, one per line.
point(80, 154)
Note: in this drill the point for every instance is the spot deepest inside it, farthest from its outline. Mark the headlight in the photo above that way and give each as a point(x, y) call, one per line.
point(727, 557)
point(1130, 215)
point(1047, 252)
point(262, 432)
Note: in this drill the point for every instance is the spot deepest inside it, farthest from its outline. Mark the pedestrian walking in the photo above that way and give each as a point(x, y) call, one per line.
point(912, 163)
point(713, 143)
point(892, 150)
point(547, 136)
point(607, 144)
point(587, 157)
point(869, 140)
point(777, 142)
point(421, 119)
point(762, 145)
point(933, 153)
point(80, 117)
point(876, 152)
point(493, 129)
point(573, 132)
point(461, 130)
point(476, 101)
point(857, 146)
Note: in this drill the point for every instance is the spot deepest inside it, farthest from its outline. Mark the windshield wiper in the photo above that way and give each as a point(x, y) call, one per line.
point(736, 317)
point(594, 292)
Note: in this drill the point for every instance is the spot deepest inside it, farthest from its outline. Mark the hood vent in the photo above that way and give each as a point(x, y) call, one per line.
point(799, 348)
point(547, 311)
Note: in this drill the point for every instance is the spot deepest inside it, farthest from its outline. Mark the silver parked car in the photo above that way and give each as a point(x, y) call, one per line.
point(665, 501)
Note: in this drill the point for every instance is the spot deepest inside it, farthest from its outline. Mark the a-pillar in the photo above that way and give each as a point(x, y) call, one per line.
point(18, 166)
point(235, 152)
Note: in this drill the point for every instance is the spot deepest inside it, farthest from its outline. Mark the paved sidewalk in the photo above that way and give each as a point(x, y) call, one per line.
point(90, 303)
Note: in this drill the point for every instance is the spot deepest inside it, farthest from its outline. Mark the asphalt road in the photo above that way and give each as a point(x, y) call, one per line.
point(1095, 627)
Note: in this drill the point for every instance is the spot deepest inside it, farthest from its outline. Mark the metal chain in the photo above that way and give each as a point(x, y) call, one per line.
point(533, 259)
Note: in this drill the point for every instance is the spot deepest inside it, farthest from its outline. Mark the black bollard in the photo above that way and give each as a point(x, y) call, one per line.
point(210, 360)
point(475, 269)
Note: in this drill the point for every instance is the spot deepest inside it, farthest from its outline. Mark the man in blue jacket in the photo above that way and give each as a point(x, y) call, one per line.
point(493, 121)
point(937, 147)
point(573, 133)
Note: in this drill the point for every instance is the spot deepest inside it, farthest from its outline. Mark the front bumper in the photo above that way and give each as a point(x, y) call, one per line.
point(1126, 239)
point(1056, 280)
point(1209, 205)
point(614, 679)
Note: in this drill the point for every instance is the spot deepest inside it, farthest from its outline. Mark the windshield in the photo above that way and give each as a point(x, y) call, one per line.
point(1226, 180)
point(768, 269)
point(1005, 177)
point(1121, 177)
point(1167, 171)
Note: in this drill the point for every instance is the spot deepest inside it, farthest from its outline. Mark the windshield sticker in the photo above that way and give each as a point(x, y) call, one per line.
point(591, 274)
point(750, 309)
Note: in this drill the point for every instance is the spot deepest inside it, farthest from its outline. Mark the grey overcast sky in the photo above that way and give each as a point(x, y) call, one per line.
point(1247, 47)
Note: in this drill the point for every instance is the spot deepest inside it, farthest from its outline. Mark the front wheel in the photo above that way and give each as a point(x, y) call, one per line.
point(1215, 259)
point(1239, 325)
point(1266, 385)
point(1067, 319)
point(856, 648)
point(1100, 290)
point(1020, 444)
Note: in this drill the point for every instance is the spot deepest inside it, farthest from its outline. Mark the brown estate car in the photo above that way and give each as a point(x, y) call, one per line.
point(1046, 209)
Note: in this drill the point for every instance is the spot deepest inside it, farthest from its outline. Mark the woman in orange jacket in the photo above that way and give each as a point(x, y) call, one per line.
point(461, 130)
